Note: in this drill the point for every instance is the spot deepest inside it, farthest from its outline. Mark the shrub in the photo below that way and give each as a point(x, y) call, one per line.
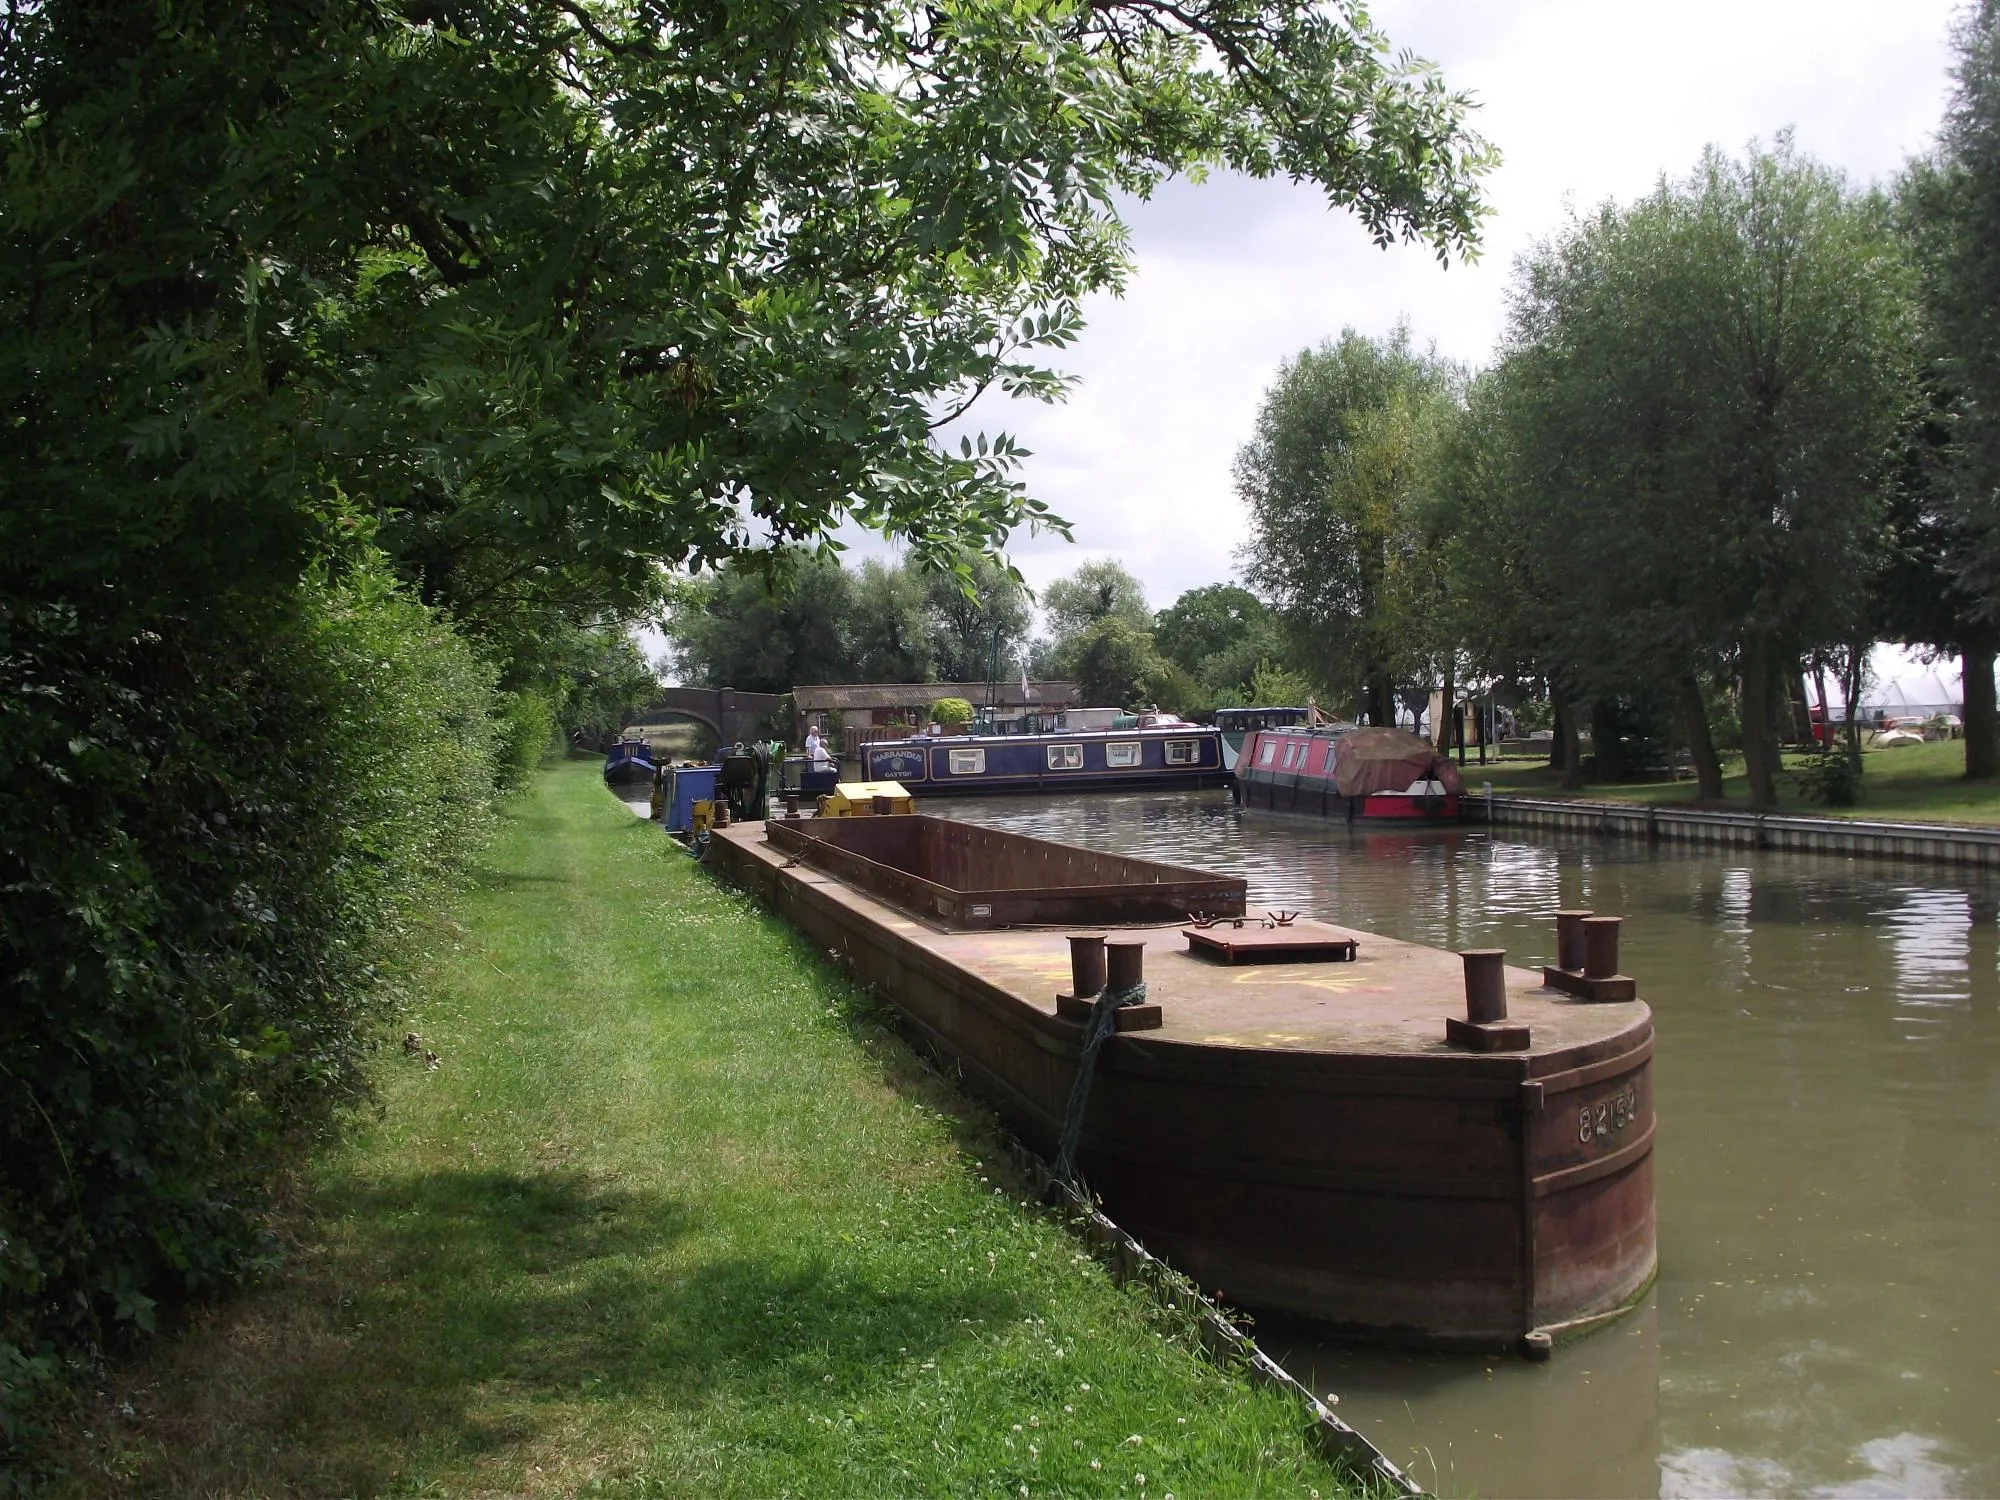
point(1531, 714)
point(1178, 691)
point(524, 731)
point(1275, 686)
point(1831, 778)
point(951, 711)
point(217, 838)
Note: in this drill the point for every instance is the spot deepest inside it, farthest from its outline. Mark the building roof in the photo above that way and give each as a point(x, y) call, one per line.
point(832, 696)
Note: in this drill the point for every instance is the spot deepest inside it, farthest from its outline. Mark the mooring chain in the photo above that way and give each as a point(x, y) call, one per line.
point(1103, 1020)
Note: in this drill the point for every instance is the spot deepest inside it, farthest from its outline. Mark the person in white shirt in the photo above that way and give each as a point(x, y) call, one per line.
point(816, 756)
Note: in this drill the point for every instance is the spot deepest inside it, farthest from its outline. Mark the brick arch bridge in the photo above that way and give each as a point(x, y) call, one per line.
point(731, 714)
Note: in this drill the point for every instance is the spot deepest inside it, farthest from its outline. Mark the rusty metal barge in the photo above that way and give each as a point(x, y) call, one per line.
point(1286, 1118)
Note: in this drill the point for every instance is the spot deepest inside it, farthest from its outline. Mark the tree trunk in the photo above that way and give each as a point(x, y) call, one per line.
point(1822, 735)
point(1760, 742)
point(1558, 728)
point(1441, 731)
point(1850, 684)
point(1982, 717)
point(1798, 713)
point(1701, 743)
point(1608, 754)
point(1381, 699)
point(1569, 751)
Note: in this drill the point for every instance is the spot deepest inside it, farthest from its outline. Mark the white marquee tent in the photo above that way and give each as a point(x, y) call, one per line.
point(1902, 685)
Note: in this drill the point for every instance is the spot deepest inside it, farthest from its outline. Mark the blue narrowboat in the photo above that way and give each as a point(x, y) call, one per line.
point(1154, 756)
point(629, 763)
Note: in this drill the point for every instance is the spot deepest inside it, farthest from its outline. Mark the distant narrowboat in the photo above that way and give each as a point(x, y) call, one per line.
point(1160, 751)
point(1238, 724)
point(1338, 771)
point(629, 763)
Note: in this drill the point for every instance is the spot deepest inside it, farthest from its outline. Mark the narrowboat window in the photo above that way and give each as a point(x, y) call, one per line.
point(1291, 755)
point(1065, 757)
point(1183, 752)
point(1270, 749)
point(1125, 753)
point(968, 762)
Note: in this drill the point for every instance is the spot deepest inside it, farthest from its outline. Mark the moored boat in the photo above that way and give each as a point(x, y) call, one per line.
point(1372, 775)
point(1238, 724)
point(1157, 751)
point(629, 763)
point(1299, 1121)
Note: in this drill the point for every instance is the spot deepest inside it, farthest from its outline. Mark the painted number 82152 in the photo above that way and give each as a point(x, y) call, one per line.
point(1608, 1117)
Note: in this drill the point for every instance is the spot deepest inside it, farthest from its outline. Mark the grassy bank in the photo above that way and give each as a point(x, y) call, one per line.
point(674, 1215)
point(1909, 783)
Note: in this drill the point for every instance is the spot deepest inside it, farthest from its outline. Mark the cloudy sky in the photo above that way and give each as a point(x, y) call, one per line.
point(1587, 100)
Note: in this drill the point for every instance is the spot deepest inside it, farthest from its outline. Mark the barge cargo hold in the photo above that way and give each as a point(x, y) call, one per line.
point(1298, 1137)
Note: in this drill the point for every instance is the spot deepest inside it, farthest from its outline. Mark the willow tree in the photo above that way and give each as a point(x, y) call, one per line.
point(1951, 548)
point(979, 617)
point(1088, 604)
point(1714, 385)
point(1341, 539)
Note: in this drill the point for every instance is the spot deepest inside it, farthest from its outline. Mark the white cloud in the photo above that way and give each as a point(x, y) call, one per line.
point(1587, 101)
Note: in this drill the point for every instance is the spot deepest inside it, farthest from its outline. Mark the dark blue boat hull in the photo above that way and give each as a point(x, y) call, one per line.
point(1114, 760)
point(628, 765)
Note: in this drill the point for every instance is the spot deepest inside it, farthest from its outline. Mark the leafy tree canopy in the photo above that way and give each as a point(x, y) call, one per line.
point(548, 293)
point(890, 628)
point(735, 628)
point(1953, 215)
point(1115, 663)
point(811, 620)
point(979, 618)
point(1072, 607)
point(1709, 392)
point(1340, 516)
point(1208, 621)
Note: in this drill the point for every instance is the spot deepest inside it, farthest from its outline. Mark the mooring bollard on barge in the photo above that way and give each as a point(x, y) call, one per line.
point(1290, 1124)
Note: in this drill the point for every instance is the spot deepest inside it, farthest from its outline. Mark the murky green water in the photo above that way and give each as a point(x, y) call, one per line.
point(1827, 1319)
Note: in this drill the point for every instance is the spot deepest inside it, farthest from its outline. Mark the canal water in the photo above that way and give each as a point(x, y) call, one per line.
point(1827, 1076)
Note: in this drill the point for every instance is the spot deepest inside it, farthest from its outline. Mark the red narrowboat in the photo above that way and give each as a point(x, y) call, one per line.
point(1371, 775)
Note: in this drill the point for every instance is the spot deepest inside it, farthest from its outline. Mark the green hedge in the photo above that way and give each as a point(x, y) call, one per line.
point(217, 839)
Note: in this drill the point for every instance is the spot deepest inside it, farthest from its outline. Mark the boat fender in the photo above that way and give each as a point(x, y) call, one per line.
point(1103, 1020)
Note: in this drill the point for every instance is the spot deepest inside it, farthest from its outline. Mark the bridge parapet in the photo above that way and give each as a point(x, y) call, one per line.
point(733, 714)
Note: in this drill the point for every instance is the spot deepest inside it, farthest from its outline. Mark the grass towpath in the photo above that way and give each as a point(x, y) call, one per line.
point(675, 1216)
point(1904, 784)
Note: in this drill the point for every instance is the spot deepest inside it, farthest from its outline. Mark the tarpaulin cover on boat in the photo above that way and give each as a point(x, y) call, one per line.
point(1381, 759)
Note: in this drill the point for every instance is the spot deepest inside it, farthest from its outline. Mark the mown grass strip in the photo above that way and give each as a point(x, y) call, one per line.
point(677, 1215)
point(1907, 783)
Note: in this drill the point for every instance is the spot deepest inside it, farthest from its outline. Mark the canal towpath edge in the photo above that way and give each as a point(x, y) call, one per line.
point(676, 1213)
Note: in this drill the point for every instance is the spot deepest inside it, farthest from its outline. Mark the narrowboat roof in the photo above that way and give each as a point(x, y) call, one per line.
point(1154, 731)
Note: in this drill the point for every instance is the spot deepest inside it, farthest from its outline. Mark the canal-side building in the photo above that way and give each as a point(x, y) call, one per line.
point(853, 714)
